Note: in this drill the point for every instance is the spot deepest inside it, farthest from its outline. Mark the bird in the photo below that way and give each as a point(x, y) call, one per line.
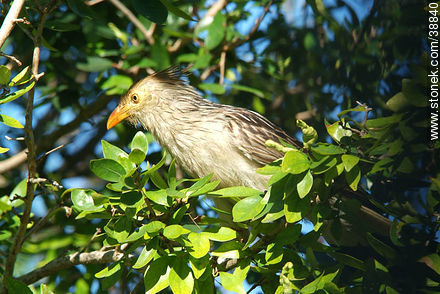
point(205, 137)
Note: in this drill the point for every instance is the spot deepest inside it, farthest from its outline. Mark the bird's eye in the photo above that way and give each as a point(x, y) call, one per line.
point(135, 98)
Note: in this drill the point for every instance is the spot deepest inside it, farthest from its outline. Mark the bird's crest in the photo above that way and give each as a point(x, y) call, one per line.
point(174, 74)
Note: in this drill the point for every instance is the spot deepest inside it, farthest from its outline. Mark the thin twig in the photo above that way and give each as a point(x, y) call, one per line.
point(237, 41)
point(31, 154)
point(148, 34)
point(50, 151)
point(93, 2)
point(98, 231)
point(222, 65)
point(12, 58)
point(41, 222)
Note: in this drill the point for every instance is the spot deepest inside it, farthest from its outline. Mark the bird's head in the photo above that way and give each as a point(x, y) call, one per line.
point(153, 94)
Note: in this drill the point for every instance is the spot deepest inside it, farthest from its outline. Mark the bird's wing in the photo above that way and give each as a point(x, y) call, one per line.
point(250, 131)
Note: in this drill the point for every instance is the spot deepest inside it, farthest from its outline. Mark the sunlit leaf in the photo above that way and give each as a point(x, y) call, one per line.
point(11, 122)
point(181, 278)
point(295, 162)
point(5, 75)
point(247, 208)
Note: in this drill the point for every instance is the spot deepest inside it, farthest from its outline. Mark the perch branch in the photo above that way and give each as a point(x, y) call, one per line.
point(65, 262)
point(10, 20)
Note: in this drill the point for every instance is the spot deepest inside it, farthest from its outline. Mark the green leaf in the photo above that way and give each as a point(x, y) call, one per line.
point(247, 208)
point(5, 75)
point(140, 141)
point(214, 88)
point(231, 249)
point(95, 64)
point(61, 26)
point(274, 253)
point(154, 10)
point(108, 271)
point(305, 185)
point(216, 31)
point(353, 177)
point(328, 149)
point(239, 191)
point(179, 214)
point(384, 122)
point(21, 78)
point(309, 133)
point(174, 231)
point(83, 200)
point(349, 161)
point(380, 247)
point(432, 261)
point(17, 94)
point(111, 151)
point(337, 132)
point(137, 234)
point(132, 198)
point(198, 244)
point(156, 276)
point(199, 265)
point(145, 257)
point(254, 91)
point(154, 227)
point(171, 176)
point(295, 162)
point(221, 234)
point(398, 102)
point(137, 156)
point(175, 10)
point(117, 85)
point(120, 230)
point(355, 109)
point(157, 180)
point(159, 197)
point(348, 260)
point(234, 282)
point(16, 286)
point(181, 278)
point(318, 283)
point(107, 169)
point(288, 235)
point(9, 121)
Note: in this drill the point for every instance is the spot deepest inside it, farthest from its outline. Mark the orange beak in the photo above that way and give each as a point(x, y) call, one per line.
point(118, 115)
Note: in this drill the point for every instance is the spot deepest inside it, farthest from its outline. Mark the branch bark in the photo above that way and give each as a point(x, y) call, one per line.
point(68, 261)
point(31, 154)
point(10, 19)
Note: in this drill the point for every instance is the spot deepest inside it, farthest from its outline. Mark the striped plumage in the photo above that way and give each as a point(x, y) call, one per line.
point(204, 137)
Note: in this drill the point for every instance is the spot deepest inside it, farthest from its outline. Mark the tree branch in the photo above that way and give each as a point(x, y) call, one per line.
point(148, 34)
point(65, 262)
point(31, 154)
point(10, 19)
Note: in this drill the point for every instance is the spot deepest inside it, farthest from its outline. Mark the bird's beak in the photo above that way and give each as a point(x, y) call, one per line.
point(118, 115)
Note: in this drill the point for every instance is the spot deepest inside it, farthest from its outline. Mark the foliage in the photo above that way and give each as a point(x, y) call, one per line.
point(135, 222)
